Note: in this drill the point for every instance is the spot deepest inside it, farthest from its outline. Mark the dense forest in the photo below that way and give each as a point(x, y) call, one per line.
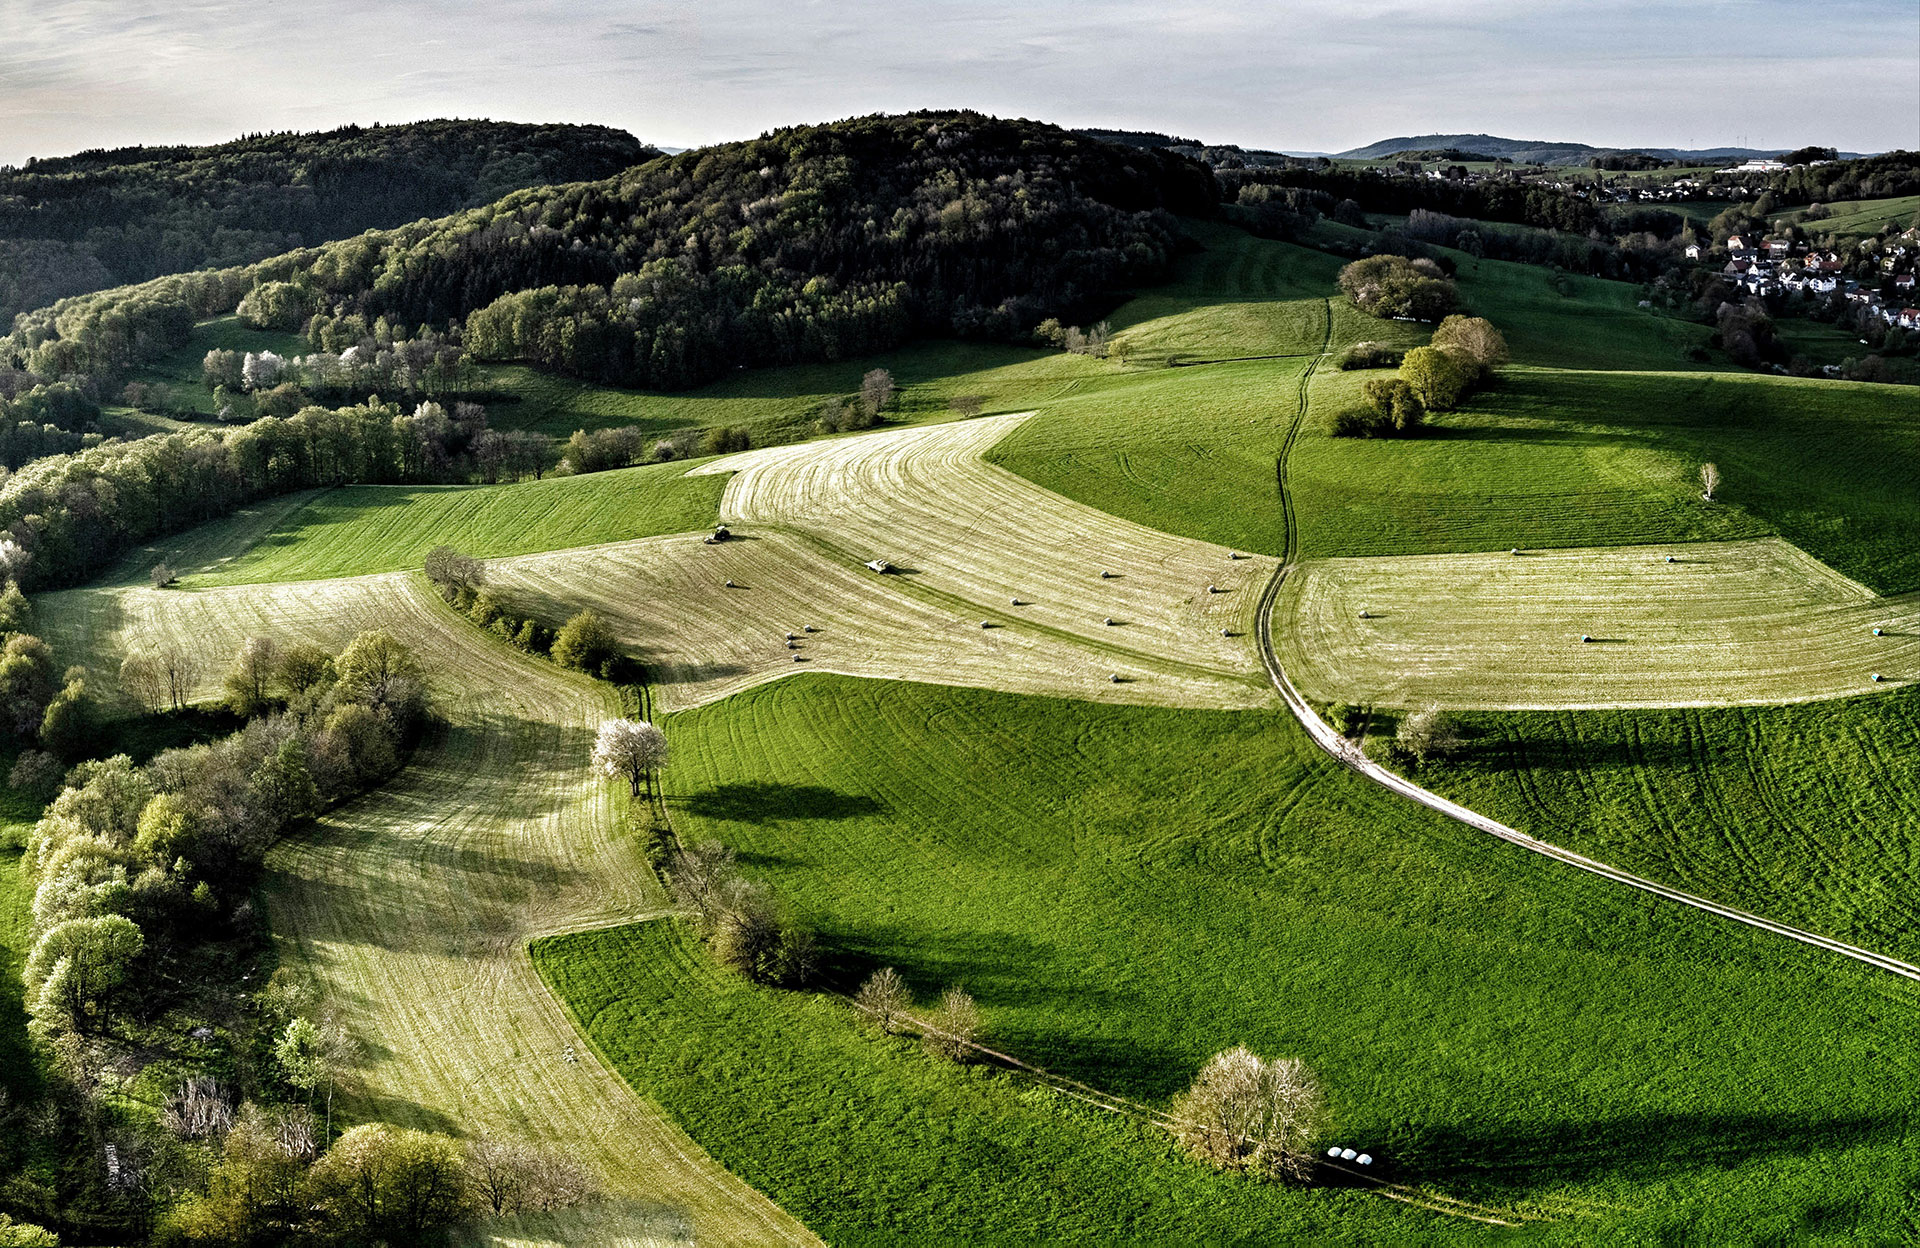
point(814, 243)
point(107, 218)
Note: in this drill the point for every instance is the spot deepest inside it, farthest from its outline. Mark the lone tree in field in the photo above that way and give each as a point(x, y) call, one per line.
point(250, 679)
point(967, 405)
point(631, 751)
point(954, 1026)
point(162, 575)
point(1428, 733)
point(885, 999)
point(1244, 1112)
point(876, 391)
point(1709, 480)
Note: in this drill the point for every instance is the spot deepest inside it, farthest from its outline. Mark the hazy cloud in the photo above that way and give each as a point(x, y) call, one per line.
point(1309, 74)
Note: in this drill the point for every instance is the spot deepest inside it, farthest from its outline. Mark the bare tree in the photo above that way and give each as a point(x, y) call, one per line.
point(510, 1176)
point(162, 575)
point(198, 1109)
point(450, 571)
point(967, 405)
point(630, 750)
point(701, 877)
point(1245, 1112)
point(1709, 480)
point(954, 1026)
point(876, 391)
point(885, 999)
point(145, 680)
point(182, 672)
point(1428, 733)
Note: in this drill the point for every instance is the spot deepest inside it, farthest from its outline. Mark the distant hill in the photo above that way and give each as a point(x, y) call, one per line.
point(812, 243)
point(104, 218)
point(1531, 151)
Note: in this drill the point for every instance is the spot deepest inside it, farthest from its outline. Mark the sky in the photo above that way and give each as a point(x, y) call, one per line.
point(1299, 75)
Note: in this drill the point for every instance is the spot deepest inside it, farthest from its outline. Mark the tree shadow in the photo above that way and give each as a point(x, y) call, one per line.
point(760, 801)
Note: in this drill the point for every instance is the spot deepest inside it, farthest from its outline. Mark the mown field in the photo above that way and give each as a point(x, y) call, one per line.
point(1502, 1029)
point(410, 907)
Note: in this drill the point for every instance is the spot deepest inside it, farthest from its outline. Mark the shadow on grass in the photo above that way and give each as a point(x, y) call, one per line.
point(762, 802)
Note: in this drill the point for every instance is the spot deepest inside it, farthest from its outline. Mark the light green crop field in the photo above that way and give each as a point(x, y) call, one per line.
point(1126, 890)
point(383, 528)
point(1697, 624)
point(1855, 218)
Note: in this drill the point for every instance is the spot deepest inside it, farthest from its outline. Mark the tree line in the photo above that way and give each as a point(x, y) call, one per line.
point(108, 218)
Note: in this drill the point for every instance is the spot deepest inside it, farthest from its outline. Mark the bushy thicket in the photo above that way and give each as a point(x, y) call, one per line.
point(1394, 286)
point(1518, 202)
point(1462, 354)
point(816, 243)
point(105, 218)
point(133, 865)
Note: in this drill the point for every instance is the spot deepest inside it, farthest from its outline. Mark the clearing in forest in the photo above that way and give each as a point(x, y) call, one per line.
point(1697, 624)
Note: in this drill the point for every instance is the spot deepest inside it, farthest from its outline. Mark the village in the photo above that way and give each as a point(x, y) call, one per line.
point(1781, 265)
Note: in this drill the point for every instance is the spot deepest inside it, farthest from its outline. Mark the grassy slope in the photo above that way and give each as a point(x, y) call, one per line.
point(1494, 1024)
point(1809, 814)
point(379, 528)
point(1561, 452)
point(17, 1065)
point(1855, 218)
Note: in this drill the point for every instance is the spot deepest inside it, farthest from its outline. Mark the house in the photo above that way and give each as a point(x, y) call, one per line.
point(1737, 266)
point(1693, 251)
point(1909, 318)
point(1737, 242)
point(1779, 247)
point(1903, 281)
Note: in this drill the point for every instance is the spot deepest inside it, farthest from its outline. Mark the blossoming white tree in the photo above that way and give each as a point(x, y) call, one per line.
point(631, 750)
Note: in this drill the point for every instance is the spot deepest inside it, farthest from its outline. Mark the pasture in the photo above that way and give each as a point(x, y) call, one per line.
point(1809, 814)
point(1126, 890)
point(1696, 624)
point(411, 906)
point(359, 529)
point(1851, 219)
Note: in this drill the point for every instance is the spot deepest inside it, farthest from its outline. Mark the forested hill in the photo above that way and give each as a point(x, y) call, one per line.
point(813, 243)
point(107, 218)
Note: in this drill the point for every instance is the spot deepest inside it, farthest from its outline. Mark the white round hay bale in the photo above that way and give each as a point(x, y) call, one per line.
point(1109, 621)
point(1671, 559)
point(1364, 1159)
point(1877, 678)
point(1115, 678)
point(799, 658)
point(1585, 638)
point(1516, 550)
point(1226, 632)
point(1333, 1150)
point(986, 623)
point(1878, 632)
point(1347, 1154)
point(808, 629)
point(1106, 575)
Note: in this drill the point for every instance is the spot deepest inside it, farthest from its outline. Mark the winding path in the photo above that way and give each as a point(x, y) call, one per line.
point(1349, 755)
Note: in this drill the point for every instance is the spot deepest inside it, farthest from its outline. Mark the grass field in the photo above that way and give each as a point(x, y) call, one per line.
point(180, 369)
point(1756, 622)
point(382, 528)
point(1810, 814)
point(18, 1070)
point(411, 906)
point(1855, 218)
point(1499, 1028)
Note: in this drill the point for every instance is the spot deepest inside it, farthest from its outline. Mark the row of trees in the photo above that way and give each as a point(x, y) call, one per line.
point(70, 516)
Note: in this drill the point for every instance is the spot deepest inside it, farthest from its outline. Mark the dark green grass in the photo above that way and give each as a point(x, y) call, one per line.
point(1594, 324)
point(1808, 814)
point(19, 1073)
point(1128, 890)
point(1553, 458)
point(381, 528)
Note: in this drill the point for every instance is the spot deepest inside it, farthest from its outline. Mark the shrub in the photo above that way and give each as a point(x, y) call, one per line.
point(1389, 286)
point(1474, 337)
point(1244, 1112)
point(726, 440)
point(1440, 376)
point(1361, 422)
point(1394, 402)
point(1428, 733)
point(1369, 355)
point(161, 575)
point(585, 643)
